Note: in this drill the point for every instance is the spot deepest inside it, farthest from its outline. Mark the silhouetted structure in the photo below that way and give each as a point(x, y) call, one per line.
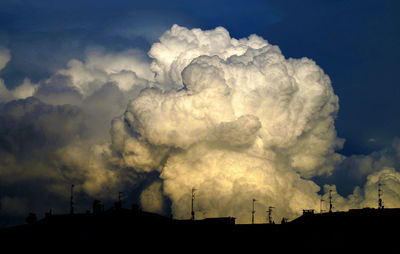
point(31, 219)
point(192, 212)
point(98, 207)
point(270, 214)
point(253, 211)
point(118, 204)
point(71, 203)
point(356, 219)
point(380, 202)
point(49, 213)
point(320, 205)
point(135, 207)
point(347, 231)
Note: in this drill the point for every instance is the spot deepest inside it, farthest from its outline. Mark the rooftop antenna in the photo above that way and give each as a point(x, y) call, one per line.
point(380, 202)
point(320, 205)
point(71, 203)
point(253, 212)
point(330, 201)
point(118, 205)
point(193, 196)
point(270, 214)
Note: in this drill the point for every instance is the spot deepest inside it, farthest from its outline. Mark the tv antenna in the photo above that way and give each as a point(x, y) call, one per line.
point(330, 201)
point(380, 202)
point(71, 202)
point(320, 205)
point(253, 212)
point(193, 196)
point(118, 204)
point(270, 214)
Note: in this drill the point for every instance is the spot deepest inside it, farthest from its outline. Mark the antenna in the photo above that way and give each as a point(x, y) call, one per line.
point(380, 202)
point(71, 203)
point(193, 196)
point(253, 212)
point(330, 201)
point(118, 205)
point(320, 205)
point(270, 214)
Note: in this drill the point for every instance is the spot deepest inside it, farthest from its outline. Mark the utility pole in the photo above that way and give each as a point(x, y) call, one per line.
point(253, 212)
point(193, 192)
point(330, 201)
point(380, 202)
point(270, 214)
point(71, 202)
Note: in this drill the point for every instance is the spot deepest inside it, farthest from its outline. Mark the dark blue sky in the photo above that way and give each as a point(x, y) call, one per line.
point(356, 42)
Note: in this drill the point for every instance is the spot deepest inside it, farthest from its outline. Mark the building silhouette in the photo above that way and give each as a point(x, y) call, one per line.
point(311, 231)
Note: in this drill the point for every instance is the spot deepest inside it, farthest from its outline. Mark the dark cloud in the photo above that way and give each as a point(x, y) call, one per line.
point(57, 90)
point(60, 136)
point(355, 169)
point(30, 125)
point(31, 136)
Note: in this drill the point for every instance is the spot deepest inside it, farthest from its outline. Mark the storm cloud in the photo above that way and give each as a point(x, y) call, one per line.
point(233, 118)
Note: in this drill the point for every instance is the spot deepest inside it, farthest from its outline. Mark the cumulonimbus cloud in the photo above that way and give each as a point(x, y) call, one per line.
point(233, 118)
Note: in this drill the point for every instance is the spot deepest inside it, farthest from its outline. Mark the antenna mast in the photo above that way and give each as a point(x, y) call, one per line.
point(71, 203)
point(380, 202)
point(320, 205)
point(330, 201)
point(193, 192)
point(118, 205)
point(253, 212)
point(270, 214)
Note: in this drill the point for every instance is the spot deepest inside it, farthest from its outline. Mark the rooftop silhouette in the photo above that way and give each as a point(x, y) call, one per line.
point(121, 225)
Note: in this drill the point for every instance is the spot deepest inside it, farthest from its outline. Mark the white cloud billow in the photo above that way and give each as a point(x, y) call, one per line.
point(125, 69)
point(235, 119)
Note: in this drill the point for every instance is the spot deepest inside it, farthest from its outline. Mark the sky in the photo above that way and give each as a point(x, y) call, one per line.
point(77, 77)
